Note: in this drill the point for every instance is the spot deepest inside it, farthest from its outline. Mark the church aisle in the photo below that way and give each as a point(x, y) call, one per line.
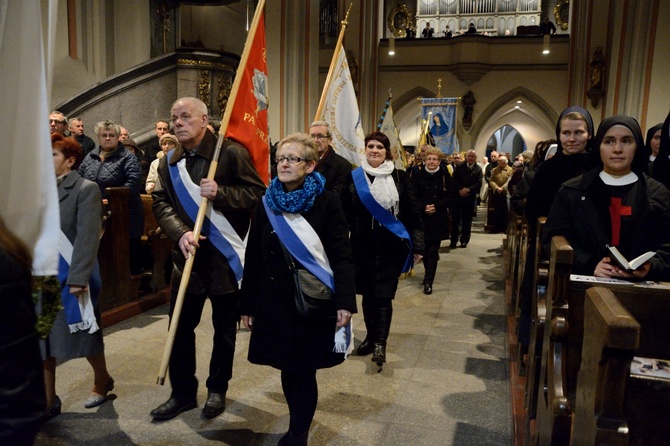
point(446, 382)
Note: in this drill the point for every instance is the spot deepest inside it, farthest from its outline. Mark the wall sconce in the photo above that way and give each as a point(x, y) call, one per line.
point(545, 44)
point(391, 46)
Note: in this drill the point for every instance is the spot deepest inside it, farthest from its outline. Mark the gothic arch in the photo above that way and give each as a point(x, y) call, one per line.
point(410, 96)
point(519, 92)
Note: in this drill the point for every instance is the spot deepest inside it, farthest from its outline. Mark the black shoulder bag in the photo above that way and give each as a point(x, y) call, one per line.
point(312, 297)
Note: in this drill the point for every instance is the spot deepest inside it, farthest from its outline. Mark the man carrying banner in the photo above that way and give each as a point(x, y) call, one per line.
point(334, 168)
point(217, 270)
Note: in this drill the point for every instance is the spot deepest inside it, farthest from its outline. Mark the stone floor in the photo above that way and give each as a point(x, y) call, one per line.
point(446, 382)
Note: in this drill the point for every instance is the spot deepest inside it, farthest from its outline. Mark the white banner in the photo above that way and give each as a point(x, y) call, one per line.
point(389, 128)
point(341, 113)
point(29, 198)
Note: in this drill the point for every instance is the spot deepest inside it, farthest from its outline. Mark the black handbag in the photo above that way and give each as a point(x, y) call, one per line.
point(312, 297)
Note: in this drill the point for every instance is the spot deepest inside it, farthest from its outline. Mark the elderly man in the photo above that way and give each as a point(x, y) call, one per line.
point(466, 182)
point(217, 269)
point(332, 166)
point(77, 131)
point(500, 176)
point(57, 123)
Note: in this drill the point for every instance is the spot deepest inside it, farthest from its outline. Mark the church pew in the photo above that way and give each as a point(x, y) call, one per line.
point(158, 244)
point(120, 296)
point(538, 319)
point(613, 337)
point(113, 253)
point(564, 338)
point(645, 402)
point(553, 407)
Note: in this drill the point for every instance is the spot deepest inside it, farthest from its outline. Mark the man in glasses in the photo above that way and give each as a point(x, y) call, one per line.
point(57, 123)
point(332, 166)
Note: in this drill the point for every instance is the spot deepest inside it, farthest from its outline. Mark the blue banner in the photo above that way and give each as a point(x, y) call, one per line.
point(442, 126)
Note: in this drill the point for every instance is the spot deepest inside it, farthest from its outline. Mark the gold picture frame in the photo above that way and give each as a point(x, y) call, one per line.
point(562, 13)
point(400, 18)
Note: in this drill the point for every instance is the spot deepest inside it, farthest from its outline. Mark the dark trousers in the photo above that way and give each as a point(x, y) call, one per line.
point(461, 216)
point(499, 202)
point(301, 394)
point(182, 361)
point(431, 255)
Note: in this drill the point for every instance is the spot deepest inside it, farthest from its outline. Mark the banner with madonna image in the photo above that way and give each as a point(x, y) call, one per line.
point(441, 113)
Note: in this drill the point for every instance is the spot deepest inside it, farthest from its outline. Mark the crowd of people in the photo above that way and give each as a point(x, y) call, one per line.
point(359, 231)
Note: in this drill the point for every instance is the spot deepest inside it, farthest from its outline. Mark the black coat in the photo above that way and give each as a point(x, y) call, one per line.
point(465, 177)
point(548, 178)
point(433, 189)
point(239, 190)
point(22, 398)
point(575, 215)
point(379, 254)
point(281, 337)
point(335, 169)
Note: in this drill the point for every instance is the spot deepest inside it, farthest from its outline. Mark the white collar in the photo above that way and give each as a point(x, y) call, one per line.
point(623, 180)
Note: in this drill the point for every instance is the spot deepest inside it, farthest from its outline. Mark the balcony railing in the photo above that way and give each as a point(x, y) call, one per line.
point(490, 17)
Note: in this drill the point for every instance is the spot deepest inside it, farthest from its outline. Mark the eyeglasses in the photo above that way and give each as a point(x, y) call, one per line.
point(291, 159)
point(320, 137)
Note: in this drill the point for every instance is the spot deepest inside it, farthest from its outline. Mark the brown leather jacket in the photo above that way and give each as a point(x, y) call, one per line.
point(240, 189)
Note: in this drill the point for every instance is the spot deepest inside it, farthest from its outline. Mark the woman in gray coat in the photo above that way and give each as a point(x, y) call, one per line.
point(76, 332)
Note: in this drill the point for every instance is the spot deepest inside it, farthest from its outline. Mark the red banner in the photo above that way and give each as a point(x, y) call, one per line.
point(248, 123)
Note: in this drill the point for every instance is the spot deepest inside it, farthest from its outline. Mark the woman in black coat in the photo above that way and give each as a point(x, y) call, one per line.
point(432, 185)
point(282, 338)
point(383, 240)
point(615, 204)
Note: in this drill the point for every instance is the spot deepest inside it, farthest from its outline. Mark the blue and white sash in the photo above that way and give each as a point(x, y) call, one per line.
point(79, 312)
point(302, 242)
point(384, 217)
point(215, 227)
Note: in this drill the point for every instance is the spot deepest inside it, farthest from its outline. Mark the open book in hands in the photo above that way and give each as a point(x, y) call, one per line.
point(632, 265)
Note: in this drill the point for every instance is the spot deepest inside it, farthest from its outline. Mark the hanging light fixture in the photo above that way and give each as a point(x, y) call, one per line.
point(391, 45)
point(545, 44)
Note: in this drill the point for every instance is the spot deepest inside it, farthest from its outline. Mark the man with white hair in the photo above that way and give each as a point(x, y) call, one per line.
point(217, 269)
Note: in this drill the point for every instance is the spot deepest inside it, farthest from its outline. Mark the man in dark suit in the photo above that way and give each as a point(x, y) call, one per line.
point(466, 182)
point(332, 166)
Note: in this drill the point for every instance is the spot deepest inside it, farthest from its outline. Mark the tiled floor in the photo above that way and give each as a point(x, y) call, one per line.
point(446, 382)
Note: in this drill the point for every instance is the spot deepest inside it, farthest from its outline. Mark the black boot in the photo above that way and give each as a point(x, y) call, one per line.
point(383, 327)
point(370, 317)
point(290, 439)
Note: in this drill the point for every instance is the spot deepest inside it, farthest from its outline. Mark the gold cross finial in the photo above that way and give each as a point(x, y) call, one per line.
point(439, 87)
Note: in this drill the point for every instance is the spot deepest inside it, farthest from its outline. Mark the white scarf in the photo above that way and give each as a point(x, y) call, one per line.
point(434, 171)
point(383, 189)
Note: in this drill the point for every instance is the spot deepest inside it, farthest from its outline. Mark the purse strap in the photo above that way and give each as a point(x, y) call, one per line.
point(287, 255)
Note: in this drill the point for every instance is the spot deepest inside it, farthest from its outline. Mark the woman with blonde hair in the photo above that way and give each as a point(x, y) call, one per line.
point(299, 224)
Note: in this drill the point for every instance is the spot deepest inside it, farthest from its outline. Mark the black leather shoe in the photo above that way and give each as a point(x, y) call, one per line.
point(464, 245)
point(427, 289)
point(365, 348)
point(215, 405)
point(54, 410)
point(452, 244)
point(379, 355)
point(171, 408)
